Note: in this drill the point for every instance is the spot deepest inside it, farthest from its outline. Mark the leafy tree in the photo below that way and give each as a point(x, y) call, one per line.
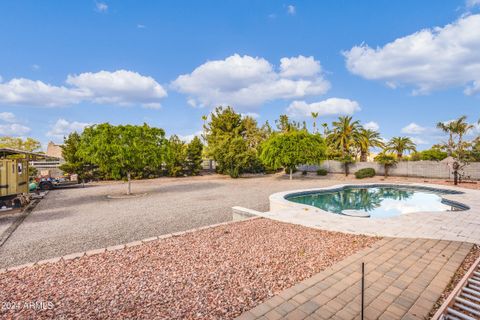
point(233, 142)
point(238, 157)
point(194, 156)
point(29, 144)
point(176, 156)
point(293, 148)
point(432, 154)
point(400, 145)
point(367, 139)
point(123, 150)
point(285, 125)
point(387, 160)
point(75, 163)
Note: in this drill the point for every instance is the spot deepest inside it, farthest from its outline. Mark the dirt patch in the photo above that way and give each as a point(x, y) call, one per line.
point(215, 273)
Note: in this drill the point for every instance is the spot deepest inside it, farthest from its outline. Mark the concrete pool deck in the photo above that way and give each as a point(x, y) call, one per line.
point(451, 225)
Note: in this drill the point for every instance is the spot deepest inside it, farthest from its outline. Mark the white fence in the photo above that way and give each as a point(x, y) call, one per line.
point(424, 169)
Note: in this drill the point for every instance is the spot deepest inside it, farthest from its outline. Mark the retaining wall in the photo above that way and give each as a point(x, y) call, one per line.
point(425, 169)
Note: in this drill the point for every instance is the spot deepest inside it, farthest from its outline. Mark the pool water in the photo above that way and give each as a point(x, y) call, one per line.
point(378, 202)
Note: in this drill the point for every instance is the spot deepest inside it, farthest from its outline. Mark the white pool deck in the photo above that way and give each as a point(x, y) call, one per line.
point(450, 225)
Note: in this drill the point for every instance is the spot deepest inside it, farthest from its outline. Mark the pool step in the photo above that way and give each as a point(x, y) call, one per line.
point(464, 301)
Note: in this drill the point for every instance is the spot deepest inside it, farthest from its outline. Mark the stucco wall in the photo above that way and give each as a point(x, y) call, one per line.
point(426, 169)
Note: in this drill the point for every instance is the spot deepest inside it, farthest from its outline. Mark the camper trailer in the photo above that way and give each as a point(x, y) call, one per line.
point(13, 177)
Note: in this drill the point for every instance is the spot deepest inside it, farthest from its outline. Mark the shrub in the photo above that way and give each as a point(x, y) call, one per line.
point(322, 172)
point(304, 173)
point(365, 173)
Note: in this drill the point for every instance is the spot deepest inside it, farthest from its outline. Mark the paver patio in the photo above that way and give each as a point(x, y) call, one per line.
point(403, 280)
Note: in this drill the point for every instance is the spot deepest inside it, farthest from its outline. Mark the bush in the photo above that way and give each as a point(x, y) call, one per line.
point(304, 173)
point(322, 172)
point(365, 173)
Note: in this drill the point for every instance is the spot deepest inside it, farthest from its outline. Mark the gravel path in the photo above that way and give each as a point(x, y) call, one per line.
point(73, 220)
point(210, 274)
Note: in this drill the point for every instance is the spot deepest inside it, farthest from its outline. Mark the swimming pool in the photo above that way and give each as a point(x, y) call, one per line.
point(378, 201)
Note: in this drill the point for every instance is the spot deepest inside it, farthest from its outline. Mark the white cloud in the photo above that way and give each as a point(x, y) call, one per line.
point(372, 125)
point(37, 93)
point(291, 9)
point(331, 106)
point(7, 117)
point(101, 6)
point(35, 67)
point(120, 87)
point(253, 115)
point(413, 128)
point(152, 105)
point(428, 60)
point(299, 67)
point(62, 128)
point(418, 141)
point(189, 137)
point(141, 26)
point(248, 82)
point(13, 129)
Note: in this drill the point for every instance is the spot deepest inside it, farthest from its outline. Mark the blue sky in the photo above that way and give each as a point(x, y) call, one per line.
point(66, 64)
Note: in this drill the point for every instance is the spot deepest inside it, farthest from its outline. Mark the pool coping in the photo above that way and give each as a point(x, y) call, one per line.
point(442, 225)
point(279, 201)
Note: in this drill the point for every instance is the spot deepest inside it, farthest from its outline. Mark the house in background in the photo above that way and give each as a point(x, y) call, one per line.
point(50, 165)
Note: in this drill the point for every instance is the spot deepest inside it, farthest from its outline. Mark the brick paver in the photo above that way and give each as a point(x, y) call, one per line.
point(403, 280)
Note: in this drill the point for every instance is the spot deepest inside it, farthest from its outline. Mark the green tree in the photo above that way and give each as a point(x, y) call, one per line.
point(123, 150)
point(344, 133)
point(400, 145)
point(233, 142)
point(343, 140)
point(368, 139)
point(29, 144)
point(194, 156)
point(75, 163)
point(290, 149)
point(387, 160)
point(432, 154)
point(176, 156)
point(456, 146)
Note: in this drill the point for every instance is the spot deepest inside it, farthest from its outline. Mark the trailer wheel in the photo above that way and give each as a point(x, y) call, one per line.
point(46, 185)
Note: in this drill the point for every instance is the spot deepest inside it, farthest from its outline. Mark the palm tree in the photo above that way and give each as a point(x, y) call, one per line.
point(400, 145)
point(387, 160)
point(344, 134)
point(314, 116)
point(455, 145)
point(367, 139)
point(325, 128)
point(204, 135)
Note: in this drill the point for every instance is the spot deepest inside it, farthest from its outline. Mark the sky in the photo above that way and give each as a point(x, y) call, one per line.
point(397, 66)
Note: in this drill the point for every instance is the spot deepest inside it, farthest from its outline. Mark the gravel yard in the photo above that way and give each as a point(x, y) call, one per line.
point(73, 220)
point(215, 273)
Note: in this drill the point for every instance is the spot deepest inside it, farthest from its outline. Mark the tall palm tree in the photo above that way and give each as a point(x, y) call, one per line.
point(367, 139)
point(325, 128)
point(344, 134)
point(400, 145)
point(314, 116)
